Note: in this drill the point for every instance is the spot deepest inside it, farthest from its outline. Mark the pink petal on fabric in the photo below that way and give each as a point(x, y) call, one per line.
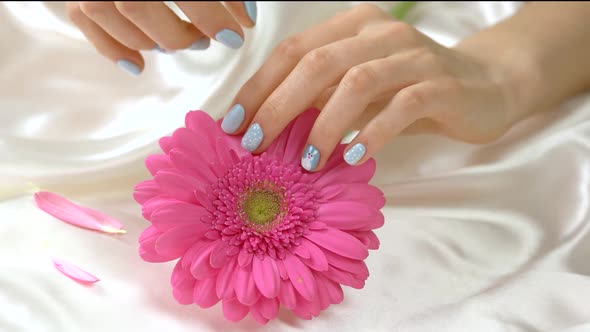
point(298, 135)
point(339, 242)
point(147, 246)
point(176, 241)
point(244, 286)
point(350, 216)
point(200, 122)
point(330, 288)
point(74, 272)
point(317, 259)
point(224, 286)
point(196, 145)
point(344, 278)
point(355, 192)
point(183, 284)
point(287, 295)
point(218, 258)
point(266, 276)
point(345, 173)
point(368, 238)
point(204, 293)
point(178, 186)
point(301, 277)
point(157, 162)
point(179, 214)
point(269, 308)
point(244, 258)
point(149, 207)
point(71, 213)
point(146, 190)
point(165, 144)
point(355, 267)
point(233, 310)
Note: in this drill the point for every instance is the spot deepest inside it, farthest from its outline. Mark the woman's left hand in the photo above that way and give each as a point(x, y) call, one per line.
point(366, 71)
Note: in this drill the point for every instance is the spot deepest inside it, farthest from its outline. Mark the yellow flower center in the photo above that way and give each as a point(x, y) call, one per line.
point(262, 206)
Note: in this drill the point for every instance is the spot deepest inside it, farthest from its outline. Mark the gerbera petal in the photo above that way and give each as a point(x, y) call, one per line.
point(266, 276)
point(246, 291)
point(317, 259)
point(339, 242)
point(157, 162)
point(204, 152)
point(166, 143)
point(178, 186)
point(357, 268)
point(182, 284)
point(348, 215)
point(149, 207)
point(175, 241)
point(344, 278)
point(301, 277)
point(218, 257)
point(307, 309)
point(282, 270)
point(77, 215)
point(201, 122)
point(233, 310)
point(257, 315)
point(287, 295)
point(189, 164)
point(269, 308)
point(179, 214)
point(201, 267)
point(244, 258)
point(345, 173)
point(146, 190)
point(74, 272)
point(147, 246)
point(204, 293)
point(331, 288)
point(368, 238)
point(298, 135)
point(356, 192)
point(224, 286)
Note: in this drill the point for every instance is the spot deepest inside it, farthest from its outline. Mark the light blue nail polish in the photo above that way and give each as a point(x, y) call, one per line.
point(310, 157)
point(251, 10)
point(129, 67)
point(233, 119)
point(201, 44)
point(354, 154)
point(253, 137)
point(161, 50)
point(229, 38)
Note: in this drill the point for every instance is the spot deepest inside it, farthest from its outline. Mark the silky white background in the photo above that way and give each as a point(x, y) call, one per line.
point(477, 238)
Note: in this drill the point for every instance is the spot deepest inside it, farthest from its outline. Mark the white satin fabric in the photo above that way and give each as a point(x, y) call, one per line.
point(477, 238)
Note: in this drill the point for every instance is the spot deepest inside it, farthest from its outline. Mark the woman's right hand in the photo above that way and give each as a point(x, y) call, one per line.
point(120, 29)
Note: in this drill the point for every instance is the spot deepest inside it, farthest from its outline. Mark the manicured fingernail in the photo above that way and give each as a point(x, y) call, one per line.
point(251, 10)
point(229, 38)
point(253, 137)
point(310, 157)
point(233, 119)
point(161, 50)
point(129, 67)
point(201, 44)
point(354, 154)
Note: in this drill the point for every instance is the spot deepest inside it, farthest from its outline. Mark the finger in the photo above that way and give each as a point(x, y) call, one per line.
point(106, 15)
point(128, 59)
point(161, 25)
point(213, 19)
point(245, 12)
point(285, 57)
point(407, 106)
point(361, 86)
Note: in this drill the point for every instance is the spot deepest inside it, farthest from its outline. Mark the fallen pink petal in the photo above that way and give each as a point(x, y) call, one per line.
point(71, 213)
point(74, 272)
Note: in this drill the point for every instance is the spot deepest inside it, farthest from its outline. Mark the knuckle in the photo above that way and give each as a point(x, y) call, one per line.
point(130, 8)
point(359, 79)
point(95, 9)
point(73, 12)
point(317, 60)
point(411, 100)
point(430, 59)
point(397, 29)
point(291, 48)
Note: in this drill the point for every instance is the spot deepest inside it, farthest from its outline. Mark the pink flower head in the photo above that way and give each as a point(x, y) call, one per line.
point(256, 232)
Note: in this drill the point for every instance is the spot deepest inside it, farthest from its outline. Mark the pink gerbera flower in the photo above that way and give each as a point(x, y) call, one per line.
point(256, 232)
